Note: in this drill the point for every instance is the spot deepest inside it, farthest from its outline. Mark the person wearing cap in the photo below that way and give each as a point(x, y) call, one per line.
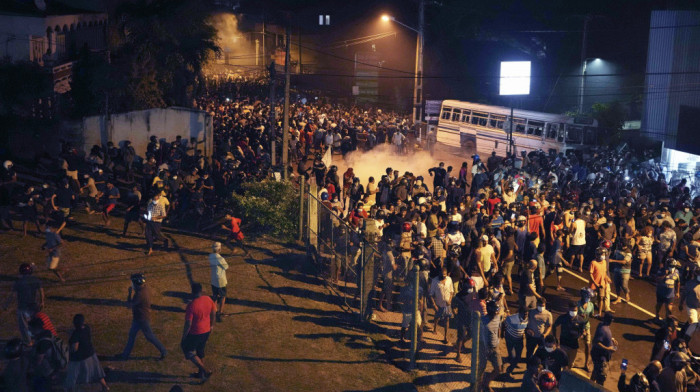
point(139, 300)
point(29, 293)
point(218, 278)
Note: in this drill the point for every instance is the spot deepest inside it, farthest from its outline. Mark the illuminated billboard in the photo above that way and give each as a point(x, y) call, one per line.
point(515, 78)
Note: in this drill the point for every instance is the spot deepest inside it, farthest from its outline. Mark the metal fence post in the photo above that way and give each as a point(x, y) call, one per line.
point(301, 208)
point(360, 287)
point(414, 324)
point(476, 350)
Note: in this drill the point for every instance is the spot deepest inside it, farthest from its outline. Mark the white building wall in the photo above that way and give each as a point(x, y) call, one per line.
point(139, 126)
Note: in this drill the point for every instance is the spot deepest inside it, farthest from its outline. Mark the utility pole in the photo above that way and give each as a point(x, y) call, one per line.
point(272, 132)
point(586, 19)
point(285, 125)
point(418, 78)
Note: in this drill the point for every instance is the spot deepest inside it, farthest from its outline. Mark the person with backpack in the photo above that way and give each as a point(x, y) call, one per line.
point(50, 356)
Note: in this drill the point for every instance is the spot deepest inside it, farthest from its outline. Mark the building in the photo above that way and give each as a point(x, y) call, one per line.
point(51, 34)
point(671, 96)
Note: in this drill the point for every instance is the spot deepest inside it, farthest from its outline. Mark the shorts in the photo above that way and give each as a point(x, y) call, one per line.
point(586, 336)
point(109, 208)
point(217, 293)
point(65, 211)
point(52, 262)
point(577, 250)
point(508, 267)
point(660, 299)
point(193, 345)
point(478, 282)
point(463, 328)
point(408, 317)
point(529, 302)
point(444, 313)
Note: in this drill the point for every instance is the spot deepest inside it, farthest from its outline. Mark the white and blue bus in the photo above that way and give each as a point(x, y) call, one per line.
point(484, 128)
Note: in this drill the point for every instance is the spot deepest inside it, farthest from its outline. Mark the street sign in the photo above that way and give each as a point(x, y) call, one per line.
point(432, 106)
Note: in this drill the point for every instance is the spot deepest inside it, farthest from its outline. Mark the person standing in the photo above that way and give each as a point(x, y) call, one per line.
point(571, 331)
point(603, 347)
point(667, 287)
point(539, 325)
point(218, 278)
point(140, 304)
point(83, 365)
point(552, 357)
point(154, 218)
point(199, 322)
point(29, 294)
point(441, 291)
point(490, 339)
point(599, 280)
point(578, 240)
point(515, 326)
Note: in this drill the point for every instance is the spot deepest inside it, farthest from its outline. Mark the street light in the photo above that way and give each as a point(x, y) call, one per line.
point(584, 66)
point(418, 77)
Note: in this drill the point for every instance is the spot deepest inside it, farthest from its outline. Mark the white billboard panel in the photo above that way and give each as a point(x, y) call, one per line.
point(515, 78)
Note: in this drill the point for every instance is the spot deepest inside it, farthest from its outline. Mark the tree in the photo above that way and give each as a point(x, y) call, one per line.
point(611, 117)
point(162, 45)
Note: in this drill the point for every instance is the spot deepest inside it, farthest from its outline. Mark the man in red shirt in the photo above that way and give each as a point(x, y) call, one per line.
point(199, 321)
point(236, 234)
point(535, 223)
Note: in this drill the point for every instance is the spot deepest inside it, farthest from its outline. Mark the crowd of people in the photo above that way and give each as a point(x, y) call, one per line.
point(496, 229)
point(480, 235)
point(170, 183)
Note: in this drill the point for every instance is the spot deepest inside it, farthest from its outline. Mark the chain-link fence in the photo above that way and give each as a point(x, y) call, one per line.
point(344, 257)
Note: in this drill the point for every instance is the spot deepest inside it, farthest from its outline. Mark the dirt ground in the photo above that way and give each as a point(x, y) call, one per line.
point(286, 330)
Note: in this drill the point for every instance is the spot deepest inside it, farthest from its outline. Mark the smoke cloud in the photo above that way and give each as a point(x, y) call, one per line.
point(374, 162)
point(232, 40)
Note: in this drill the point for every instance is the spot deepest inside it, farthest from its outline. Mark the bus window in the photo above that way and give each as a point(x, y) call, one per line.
point(519, 125)
point(574, 134)
point(497, 121)
point(446, 113)
point(589, 136)
point(465, 115)
point(480, 118)
point(456, 114)
point(561, 133)
point(551, 131)
point(535, 128)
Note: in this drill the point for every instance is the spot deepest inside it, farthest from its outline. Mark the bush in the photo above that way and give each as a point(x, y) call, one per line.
point(269, 207)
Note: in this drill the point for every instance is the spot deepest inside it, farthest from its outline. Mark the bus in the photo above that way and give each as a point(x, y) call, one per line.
point(484, 129)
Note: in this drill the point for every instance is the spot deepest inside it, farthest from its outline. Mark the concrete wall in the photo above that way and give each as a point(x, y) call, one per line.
point(139, 126)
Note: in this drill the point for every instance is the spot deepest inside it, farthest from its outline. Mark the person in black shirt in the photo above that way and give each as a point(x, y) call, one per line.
point(83, 365)
point(29, 293)
point(553, 358)
point(571, 330)
point(439, 174)
point(133, 209)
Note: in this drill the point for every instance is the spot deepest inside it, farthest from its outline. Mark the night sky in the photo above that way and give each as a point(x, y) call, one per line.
point(465, 41)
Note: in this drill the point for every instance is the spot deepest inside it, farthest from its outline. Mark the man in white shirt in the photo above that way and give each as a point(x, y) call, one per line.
point(441, 290)
point(218, 278)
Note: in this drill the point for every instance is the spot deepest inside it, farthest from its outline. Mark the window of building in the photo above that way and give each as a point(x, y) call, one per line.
point(324, 20)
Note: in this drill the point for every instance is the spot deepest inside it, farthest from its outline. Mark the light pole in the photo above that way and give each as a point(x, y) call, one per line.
point(418, 76)
point(582, 91)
